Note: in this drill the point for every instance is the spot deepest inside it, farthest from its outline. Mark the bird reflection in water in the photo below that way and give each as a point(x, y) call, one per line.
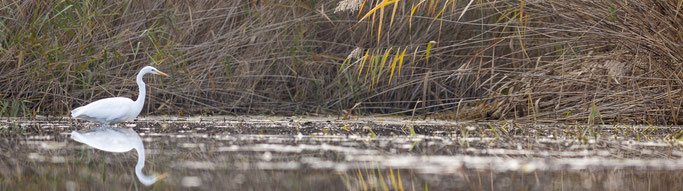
point(118, 140)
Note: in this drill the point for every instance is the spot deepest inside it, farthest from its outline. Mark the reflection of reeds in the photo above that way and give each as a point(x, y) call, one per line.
point(647, 157)
point(537, 60)
point(378, 179)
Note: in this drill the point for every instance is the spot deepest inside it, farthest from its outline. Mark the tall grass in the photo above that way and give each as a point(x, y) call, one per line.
point(535, 60)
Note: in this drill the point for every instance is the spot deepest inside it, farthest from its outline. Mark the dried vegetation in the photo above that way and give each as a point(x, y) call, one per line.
point(570, 60)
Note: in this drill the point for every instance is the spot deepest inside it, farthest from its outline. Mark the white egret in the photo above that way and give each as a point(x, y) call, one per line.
point(118, 140)
point(116, 109)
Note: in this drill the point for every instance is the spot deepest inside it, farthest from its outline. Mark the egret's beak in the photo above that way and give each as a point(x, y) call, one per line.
point(161, 73)
point(162, 176)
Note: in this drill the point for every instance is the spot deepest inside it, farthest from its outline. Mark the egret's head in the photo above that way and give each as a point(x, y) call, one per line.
point(152, 70)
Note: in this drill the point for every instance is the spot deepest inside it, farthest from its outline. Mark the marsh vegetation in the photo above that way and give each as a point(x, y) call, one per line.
point(452, 59)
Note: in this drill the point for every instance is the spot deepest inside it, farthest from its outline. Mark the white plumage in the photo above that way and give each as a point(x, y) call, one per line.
point(114, 139)
point(116, 109)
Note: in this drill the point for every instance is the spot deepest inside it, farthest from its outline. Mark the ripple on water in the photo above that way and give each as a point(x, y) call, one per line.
point(217, 152)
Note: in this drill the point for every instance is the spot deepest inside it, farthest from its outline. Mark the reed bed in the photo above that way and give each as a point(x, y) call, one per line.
point(548, 61)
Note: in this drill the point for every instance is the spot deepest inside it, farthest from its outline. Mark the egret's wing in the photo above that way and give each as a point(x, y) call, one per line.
point(105, 109)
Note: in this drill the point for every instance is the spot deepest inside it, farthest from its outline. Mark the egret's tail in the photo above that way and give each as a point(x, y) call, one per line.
point(76, 112)
point(77, 137)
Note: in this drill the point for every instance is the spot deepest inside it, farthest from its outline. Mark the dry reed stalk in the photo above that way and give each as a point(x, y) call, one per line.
point(284, 57)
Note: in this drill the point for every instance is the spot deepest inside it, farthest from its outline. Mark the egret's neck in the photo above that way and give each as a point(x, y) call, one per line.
point(144, 179)
point(142, 90)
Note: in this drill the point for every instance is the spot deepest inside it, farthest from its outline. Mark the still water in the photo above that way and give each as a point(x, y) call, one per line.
point(295, 153)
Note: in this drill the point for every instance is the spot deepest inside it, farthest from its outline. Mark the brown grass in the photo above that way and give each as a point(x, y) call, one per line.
point(537, 60)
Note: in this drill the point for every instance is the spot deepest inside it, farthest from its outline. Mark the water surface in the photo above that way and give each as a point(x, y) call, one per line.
point(295, 153)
